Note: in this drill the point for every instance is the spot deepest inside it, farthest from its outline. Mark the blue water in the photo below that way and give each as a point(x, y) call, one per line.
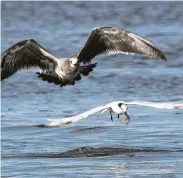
point(150, 146)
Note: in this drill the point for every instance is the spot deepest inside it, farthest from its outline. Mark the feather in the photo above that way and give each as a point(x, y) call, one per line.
point(25, 54)
point(113, 40)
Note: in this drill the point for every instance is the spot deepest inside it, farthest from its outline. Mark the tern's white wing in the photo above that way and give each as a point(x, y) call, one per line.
point(163, 105)
point(68, 120)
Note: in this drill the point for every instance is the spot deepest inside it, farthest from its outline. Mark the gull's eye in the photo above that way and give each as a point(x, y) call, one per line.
point(120, 104)
point(70, 62)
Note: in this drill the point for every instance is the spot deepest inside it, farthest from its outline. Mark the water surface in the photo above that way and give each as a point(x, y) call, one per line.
point(150, 146)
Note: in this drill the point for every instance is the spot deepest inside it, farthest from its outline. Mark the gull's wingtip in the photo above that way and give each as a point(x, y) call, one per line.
point(163, 57)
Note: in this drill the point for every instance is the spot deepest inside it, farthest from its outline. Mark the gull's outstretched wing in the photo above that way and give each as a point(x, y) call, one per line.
point(113, 40)
point(161, 105)
point(68, 120)
point(26, 54)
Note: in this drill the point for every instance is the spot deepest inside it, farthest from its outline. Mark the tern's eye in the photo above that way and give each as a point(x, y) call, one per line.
point(120, 104)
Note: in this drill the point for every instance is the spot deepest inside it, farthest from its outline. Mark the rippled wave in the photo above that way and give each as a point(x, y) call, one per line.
point(156, 136)
point(90, 152)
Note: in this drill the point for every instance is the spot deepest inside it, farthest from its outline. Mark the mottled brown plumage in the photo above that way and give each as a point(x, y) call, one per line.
point(66, 71)
point(115, 40)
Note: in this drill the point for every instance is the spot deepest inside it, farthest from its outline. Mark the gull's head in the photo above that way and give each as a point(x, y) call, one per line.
point(73, 62)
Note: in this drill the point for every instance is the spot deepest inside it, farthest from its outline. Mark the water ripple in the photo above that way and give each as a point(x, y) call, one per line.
point(89, 152)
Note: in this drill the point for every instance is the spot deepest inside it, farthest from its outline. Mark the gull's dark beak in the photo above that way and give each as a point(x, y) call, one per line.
point(76, 64)
point(126, 119)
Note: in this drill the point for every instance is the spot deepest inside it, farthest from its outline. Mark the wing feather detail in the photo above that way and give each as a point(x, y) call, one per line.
point(25, 54)
point(113, 40)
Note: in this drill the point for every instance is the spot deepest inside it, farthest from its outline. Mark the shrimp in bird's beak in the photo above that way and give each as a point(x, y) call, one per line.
point(126, 119)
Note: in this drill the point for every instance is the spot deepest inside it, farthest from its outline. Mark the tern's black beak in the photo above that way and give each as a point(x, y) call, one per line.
point(126, 114)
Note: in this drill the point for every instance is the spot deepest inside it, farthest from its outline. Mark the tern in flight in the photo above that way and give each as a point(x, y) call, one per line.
point(65, 71)
point(117, 107)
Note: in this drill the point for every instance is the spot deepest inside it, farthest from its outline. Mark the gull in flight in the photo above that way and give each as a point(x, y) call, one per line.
point(117, 107)
point(66, 71)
